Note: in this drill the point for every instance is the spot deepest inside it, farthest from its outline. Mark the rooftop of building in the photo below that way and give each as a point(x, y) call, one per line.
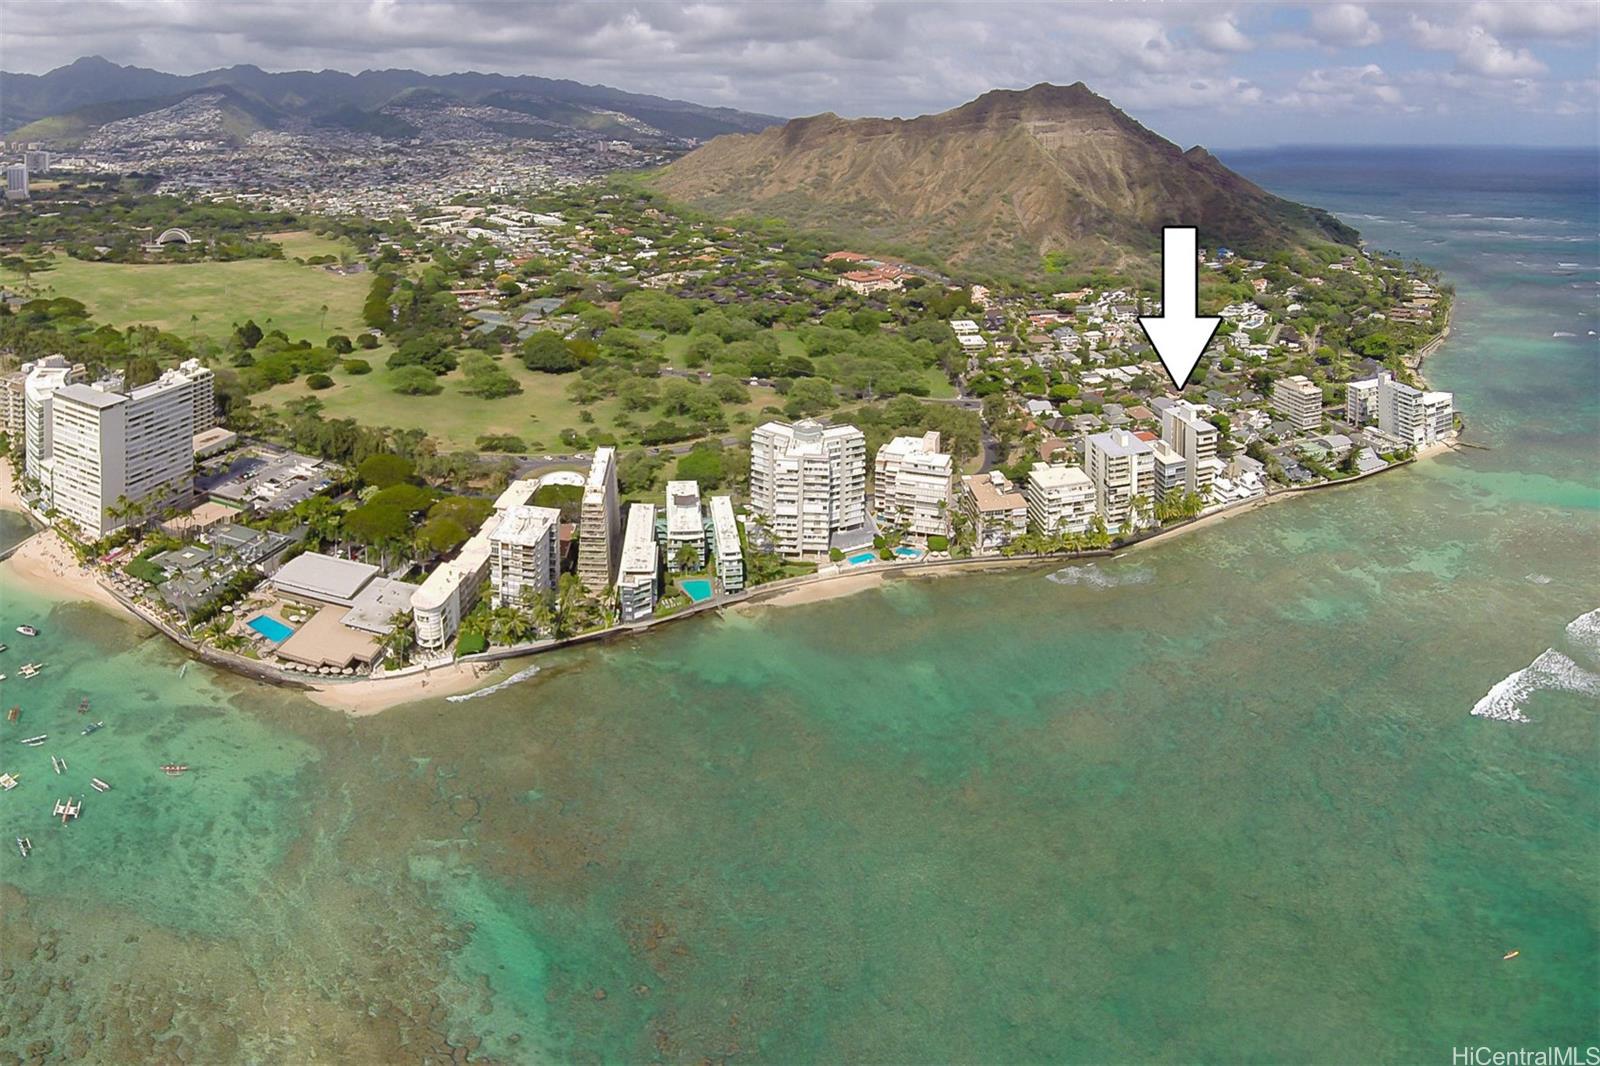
point(1058, 476)
point(639, 552)
point(324, 576)
point(525, 525)
point(990, 496)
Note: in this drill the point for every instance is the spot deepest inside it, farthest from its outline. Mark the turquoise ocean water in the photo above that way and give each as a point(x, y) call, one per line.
point(1222, 799)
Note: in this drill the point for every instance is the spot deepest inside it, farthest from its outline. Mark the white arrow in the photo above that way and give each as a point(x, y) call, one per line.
point(1179, 335)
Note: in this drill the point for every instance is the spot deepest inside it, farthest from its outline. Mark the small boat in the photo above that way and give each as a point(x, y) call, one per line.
point(24, 845)
point(8, 782)
point(34, 742)
point(2, 677)
point(173, 769)
point(99, 785)
point(2, 647)
point(14, 713)
point(27, 631)
point(92, 726)
point(1513, 953)
point(30, 669)
point(68, 809)
point(59, 764)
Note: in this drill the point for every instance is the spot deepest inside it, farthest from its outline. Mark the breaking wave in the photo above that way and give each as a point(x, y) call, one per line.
point(1550, 671)
point(1089, 575)
point(515, 679)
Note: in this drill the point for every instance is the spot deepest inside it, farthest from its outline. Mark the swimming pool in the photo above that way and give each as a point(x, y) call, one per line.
point(270, 628)
point(697, 589)
point(862, 558)
point(909, 553)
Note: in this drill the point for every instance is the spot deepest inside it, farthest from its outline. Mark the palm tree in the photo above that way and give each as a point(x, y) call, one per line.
point(401, 640)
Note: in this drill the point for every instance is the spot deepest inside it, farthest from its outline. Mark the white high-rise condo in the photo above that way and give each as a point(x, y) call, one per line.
point(104, 455)
point(1191, 436)
point(524, 553)
point(1061, 499)
point(911, 484)
point(1299, 400)
point(1409, 414)
point(686, 527)
point(808, 482)
point(638, 573)
point(599, 519)
point(725, 544)
point(1170, 468)
point(1122, 467)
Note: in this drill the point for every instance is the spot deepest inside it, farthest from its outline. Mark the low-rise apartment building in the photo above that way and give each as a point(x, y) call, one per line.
point(1299, 400)
point(997, 511)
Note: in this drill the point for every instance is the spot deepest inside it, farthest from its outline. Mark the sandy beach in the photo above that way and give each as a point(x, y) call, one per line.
point(829, 588)
point(44, 563)
point(359, 699)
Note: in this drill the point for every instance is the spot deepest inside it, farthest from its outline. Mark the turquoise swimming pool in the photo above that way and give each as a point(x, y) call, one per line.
point(909, 553)
point(270, 628)
point(697, 589)
point(862, 558)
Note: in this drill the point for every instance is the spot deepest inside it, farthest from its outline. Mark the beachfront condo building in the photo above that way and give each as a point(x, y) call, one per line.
point(911, 485)
point(1299, 400)
point(40, 381)
point(1415, 417)
point(1060, 499)
point(808, 482)
point(1169, 469)
point(639, 571)
point(599, 521)
point(1361, 402)
point(524, 554)
point(453, 589)
point(725, 544)
point(997, 511)
point(1185, 429)
point(686, 527)
point(105, 455)
point(1122, 468)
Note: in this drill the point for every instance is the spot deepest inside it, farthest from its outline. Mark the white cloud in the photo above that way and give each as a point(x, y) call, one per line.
point(1477, 51)
point(1346, 25)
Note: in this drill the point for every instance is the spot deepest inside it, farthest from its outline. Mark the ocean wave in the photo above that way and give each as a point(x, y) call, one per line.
point(1550, 671)
point(1539, 579)
point(1562, 333)
point(1089, 575)
point(1584, 632)
point(515, 679)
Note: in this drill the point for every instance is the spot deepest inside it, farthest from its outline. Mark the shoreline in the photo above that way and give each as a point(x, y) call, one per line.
point(44, 561)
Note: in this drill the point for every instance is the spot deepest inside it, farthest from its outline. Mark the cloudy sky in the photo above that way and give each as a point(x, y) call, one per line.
point(1220, 74)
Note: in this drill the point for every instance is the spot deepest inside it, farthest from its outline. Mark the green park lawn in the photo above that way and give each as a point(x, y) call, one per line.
point(538, 414)
point(208, 299)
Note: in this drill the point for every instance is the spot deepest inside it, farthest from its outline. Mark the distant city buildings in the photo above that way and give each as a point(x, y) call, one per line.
point(1061, 499)
point(599, 518)
point(997, 511)
point(1122, 467)
point(808, 482)
point(36, 161)
point(1410, 415)
point(639, 572)
point(911, 484)
point(1299, 400)
point(16, 182)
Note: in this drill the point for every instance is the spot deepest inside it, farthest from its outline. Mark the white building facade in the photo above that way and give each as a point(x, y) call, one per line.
point(599, 520)
point(911, 484)
point(808, 482)
point(638, 572)
point(1299, 400)
point(726, 547)
point(1404, 412)
point(524, 553)
point(686, 527)
point(1061, 499)
point(1186, 430)
point(1122, 467)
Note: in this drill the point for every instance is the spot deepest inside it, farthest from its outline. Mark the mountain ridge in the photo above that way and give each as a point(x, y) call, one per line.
point(95, 82)
point(1002, 181)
